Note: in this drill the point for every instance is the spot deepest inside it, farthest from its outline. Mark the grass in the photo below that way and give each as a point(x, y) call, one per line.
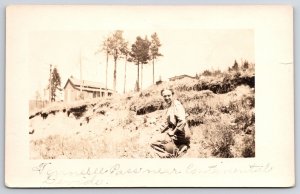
point(219, 107)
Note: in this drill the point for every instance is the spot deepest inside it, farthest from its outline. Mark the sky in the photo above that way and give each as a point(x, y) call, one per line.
point(185, 51)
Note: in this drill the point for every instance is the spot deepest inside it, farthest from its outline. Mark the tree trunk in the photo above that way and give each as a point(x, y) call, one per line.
point(115, 74)
point(138, 77)
point(106, 71)
point(153, 70)
point(142, 77)
point(125, 75)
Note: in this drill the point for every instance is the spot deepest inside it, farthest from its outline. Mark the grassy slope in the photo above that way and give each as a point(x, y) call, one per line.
point(220, 113)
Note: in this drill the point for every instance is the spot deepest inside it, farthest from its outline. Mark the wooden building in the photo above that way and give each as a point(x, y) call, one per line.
point(75, 89)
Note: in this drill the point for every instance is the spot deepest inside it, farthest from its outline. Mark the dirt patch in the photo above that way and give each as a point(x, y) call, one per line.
point(77, 111)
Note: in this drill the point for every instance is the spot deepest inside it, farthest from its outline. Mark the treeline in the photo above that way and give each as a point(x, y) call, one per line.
point(54, 85)
point(235, 68)
point(141, 52)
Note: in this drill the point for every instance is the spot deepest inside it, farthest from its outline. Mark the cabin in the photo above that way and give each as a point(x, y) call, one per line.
point(75, 89)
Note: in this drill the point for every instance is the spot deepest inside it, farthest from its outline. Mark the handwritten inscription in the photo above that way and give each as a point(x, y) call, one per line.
point(40, 168)
point(101, 176)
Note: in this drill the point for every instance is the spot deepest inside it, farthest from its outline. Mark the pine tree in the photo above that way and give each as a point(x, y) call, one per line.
point(125, 52)
point(139, 54)
point(116, 43)
point(154, 50)
point(235, 66)
point(55, 83)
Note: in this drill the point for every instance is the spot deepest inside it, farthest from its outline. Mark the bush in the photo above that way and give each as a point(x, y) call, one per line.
point(216, 73)
point(220, 140)
point(242, 111)
point(206, 73)
point(243, 120)
point(146, 104)
point(249, 148)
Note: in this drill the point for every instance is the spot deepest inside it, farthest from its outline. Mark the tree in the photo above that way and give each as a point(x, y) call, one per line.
point(106, 49)
point(245, 65)
point(115, 44)
point(139, 54)
point(147, 44)
point(154, 49)
point(55, 83)
point(235, 66)
point(125, 52)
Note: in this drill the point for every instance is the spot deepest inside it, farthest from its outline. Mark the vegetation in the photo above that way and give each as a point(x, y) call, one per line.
point(115, 45)
point(141, 52)
point(139, 55)
point(54, 83)
point(105, 47)
point(125, 52)
point(222, 121)
point(154, 50)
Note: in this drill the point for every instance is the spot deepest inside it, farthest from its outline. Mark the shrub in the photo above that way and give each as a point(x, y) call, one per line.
point(195, 120)
point(147, 105)
point(242, 111)
point(216, 73)
point(245, 65)
point(220, 140)
point(206, 73)
point(243, 120)
point(249, 149)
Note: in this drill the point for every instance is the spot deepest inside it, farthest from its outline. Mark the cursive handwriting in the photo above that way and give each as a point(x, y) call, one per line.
point(100, 176)
point(41, 167)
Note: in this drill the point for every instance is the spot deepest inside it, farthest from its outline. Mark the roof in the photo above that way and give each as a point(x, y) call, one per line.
point(87, 85)
point(180, 77)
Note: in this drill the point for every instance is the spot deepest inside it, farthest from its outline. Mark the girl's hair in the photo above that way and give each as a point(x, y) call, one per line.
point(172, 91)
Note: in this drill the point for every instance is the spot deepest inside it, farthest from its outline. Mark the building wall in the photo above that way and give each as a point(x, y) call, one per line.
point(71, 94)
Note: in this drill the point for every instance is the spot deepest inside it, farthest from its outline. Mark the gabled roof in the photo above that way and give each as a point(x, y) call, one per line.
point(87, 85)
point(179, 77)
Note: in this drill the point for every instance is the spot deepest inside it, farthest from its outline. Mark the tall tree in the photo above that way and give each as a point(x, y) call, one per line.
point(106, 49)
point(139, 54)
point(147, 44)
point(154, 50)
point(116, 42)
point(55, 83)
point(125, 53)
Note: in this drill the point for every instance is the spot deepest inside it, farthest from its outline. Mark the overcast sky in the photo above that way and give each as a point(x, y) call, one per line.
point(184, 52)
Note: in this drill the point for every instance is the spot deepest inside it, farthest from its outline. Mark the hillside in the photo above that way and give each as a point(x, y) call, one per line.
point(220, 110)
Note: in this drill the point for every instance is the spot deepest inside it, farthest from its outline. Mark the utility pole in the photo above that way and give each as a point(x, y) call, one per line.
point(50, 84)
point(80, 70)
point(81, 79)
point(44, 97)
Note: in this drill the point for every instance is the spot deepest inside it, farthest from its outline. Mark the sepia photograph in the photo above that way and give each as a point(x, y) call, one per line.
point(149, 96)
point(142, 94)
